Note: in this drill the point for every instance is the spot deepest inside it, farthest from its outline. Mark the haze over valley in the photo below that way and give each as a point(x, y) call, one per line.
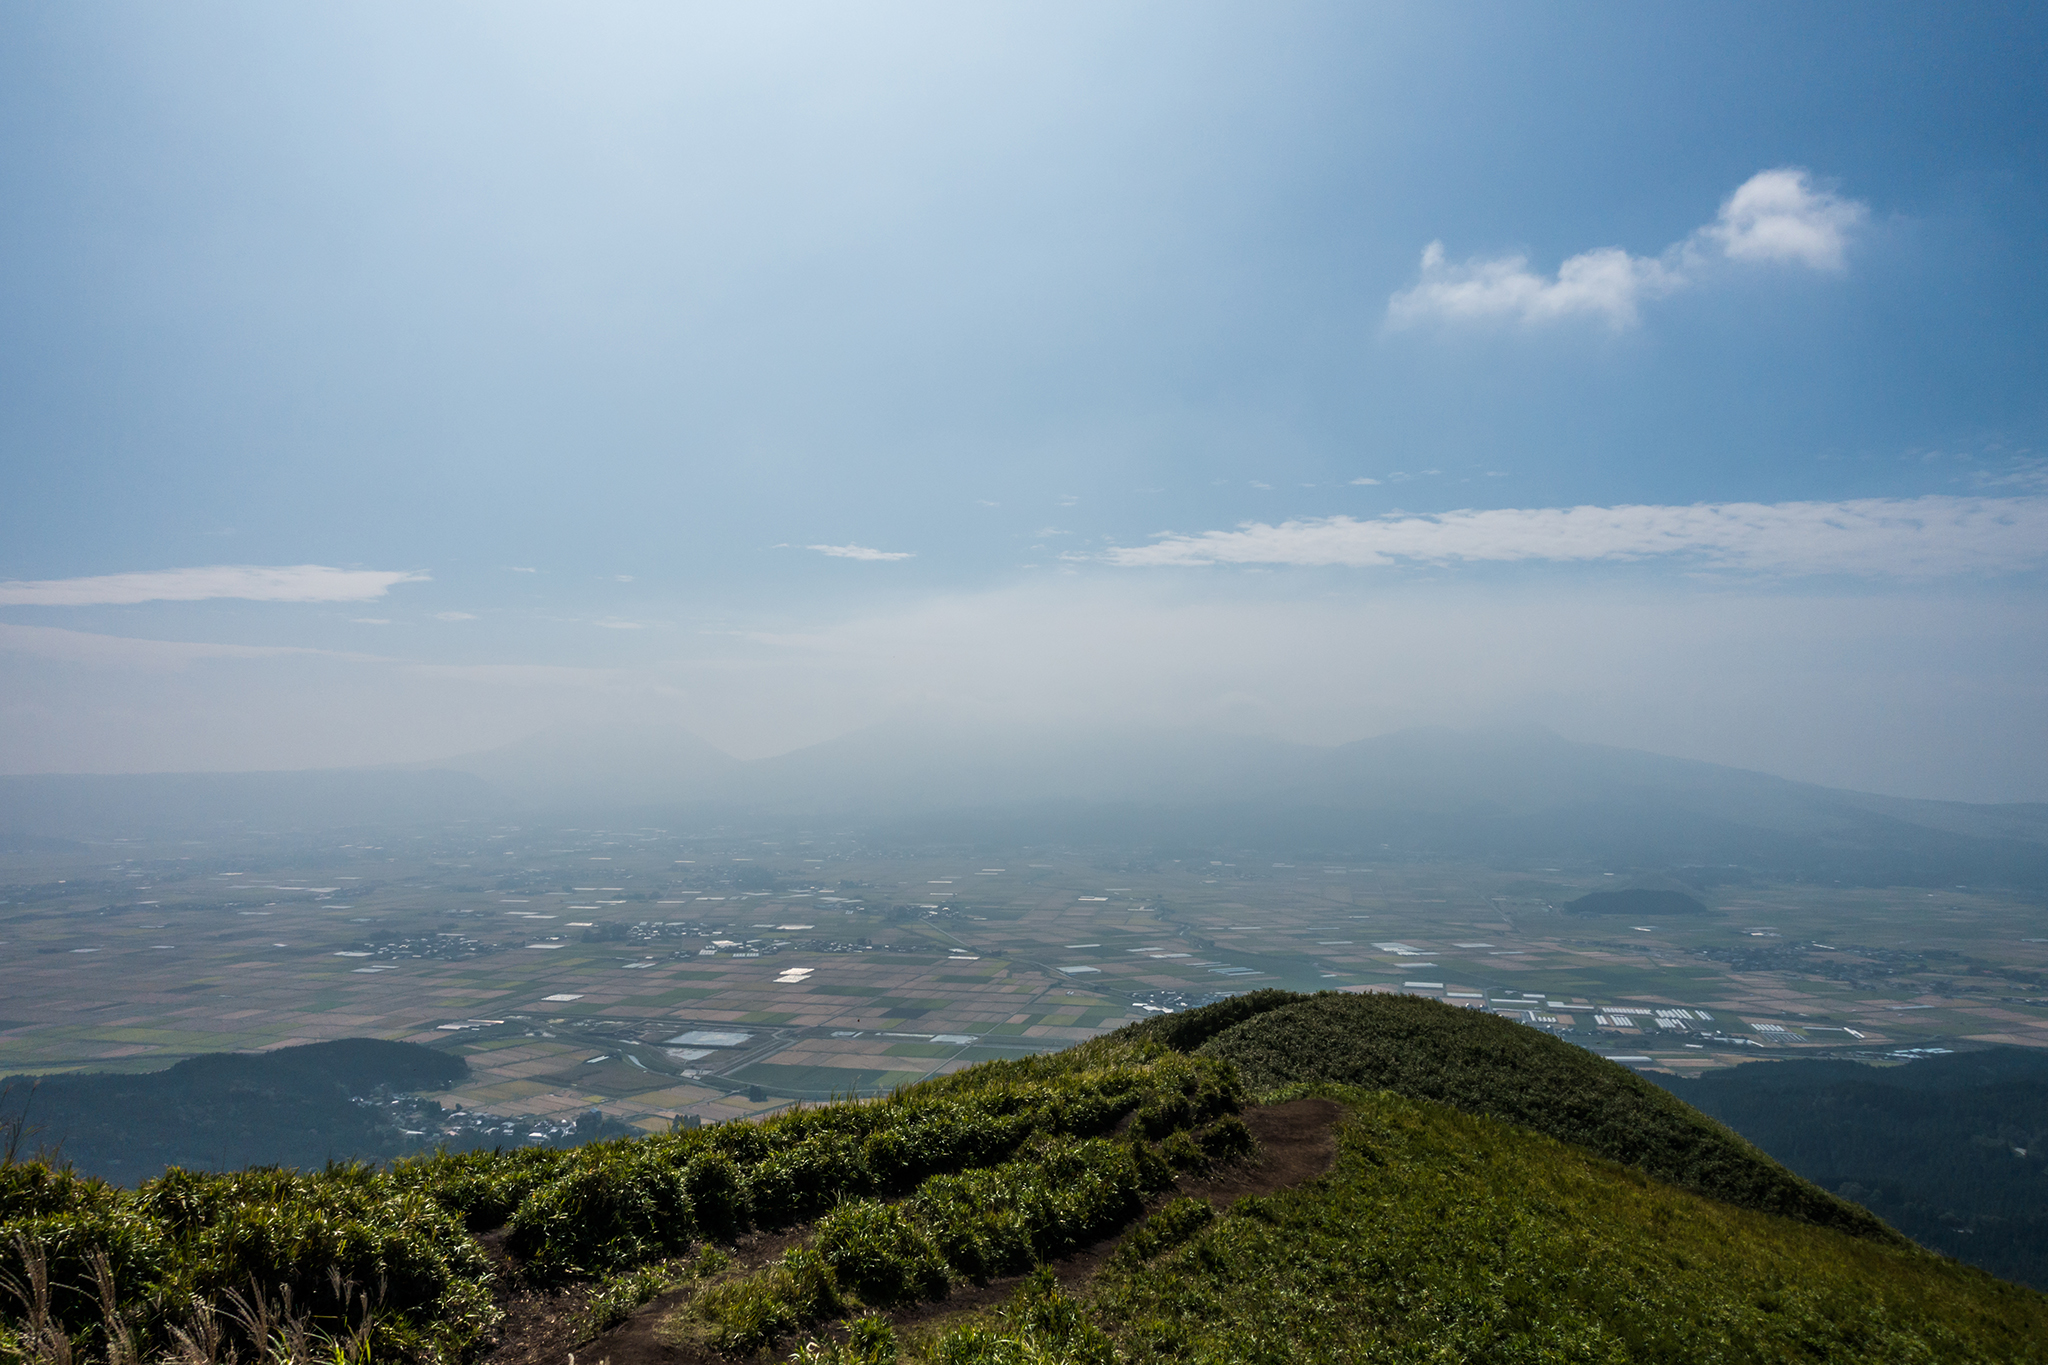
point(921, 684)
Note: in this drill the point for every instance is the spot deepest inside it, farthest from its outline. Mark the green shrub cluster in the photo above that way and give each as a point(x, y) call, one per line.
point(1483, 1064)
point(976, 1225)
point(312, 1241)
point(482, 1188)
point(747, 1314)
point(614, 1204)
point(182, 1244)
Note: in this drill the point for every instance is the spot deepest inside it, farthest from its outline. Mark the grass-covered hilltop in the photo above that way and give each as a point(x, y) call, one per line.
point(1275, 1178)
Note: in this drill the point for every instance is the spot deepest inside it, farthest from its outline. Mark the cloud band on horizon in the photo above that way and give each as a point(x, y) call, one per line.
point(861, 552)
point(1924, 537)
point(249, 582)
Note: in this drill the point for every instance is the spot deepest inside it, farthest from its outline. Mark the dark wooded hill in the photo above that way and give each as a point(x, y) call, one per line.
point(296, 1106)
point(1952, 1151)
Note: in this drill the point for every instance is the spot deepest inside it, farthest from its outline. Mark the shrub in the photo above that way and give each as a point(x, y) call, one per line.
point(483, 1188)
point(879, 1255)
point(615, 1207)
point(1023, 1141)
point(870, 1340)
point(719, 1204)
point(1184, 1153)
point(1228, 1139)
point(748, 1314)
point(796, 1184)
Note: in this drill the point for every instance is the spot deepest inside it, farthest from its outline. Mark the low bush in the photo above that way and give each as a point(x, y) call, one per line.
point(879, 1256)
point(717, 1200)
point(615, 1206)
point(483, 1188)
point(976, 1225)
point(222, 1248)
point(1228, 1139)
point(747, 1314)
point(1183, 1153)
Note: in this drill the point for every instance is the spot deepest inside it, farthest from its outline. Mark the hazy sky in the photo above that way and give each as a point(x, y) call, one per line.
point(385, 381)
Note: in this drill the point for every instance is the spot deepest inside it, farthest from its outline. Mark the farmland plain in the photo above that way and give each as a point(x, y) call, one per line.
point(661, 977)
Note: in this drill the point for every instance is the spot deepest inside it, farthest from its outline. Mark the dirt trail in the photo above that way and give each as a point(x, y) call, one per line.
point(1297, 1143)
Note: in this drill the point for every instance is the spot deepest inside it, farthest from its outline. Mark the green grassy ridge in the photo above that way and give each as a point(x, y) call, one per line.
point(587, 1212)
point(1442, 1236)
point(960, 1178)
point(1483, 1064)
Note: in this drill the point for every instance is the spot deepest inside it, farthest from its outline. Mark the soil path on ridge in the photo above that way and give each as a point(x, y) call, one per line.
point(1297, 1142)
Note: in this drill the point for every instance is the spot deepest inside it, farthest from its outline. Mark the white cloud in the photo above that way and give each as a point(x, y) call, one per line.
point(2025, 471)
point(1779, 217)
point(1890, 537)
point(519, 568)
point(370, 620)
point(251, 582)
point(860, 552)
point(1365, 481)
point(1606, 284)
point(1776, 217)
point(622, 578)
point(621, 625)
point(454, 616)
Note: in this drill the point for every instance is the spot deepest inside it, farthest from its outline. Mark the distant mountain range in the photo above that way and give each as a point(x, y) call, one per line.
point(1519, 797)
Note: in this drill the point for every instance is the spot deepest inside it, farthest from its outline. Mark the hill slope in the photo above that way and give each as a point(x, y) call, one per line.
point(1441, 1236)
point(1437, 1235)
point(1951, 1150)
point(1482, 1064)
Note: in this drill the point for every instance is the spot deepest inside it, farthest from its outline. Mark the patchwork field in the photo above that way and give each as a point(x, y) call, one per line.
point(660, 978)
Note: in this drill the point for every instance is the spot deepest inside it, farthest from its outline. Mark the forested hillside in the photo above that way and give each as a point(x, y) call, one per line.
point(1952, 1151)
point(298, 1106)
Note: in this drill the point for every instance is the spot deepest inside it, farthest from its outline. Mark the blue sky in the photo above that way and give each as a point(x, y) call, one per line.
point(386, 381)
